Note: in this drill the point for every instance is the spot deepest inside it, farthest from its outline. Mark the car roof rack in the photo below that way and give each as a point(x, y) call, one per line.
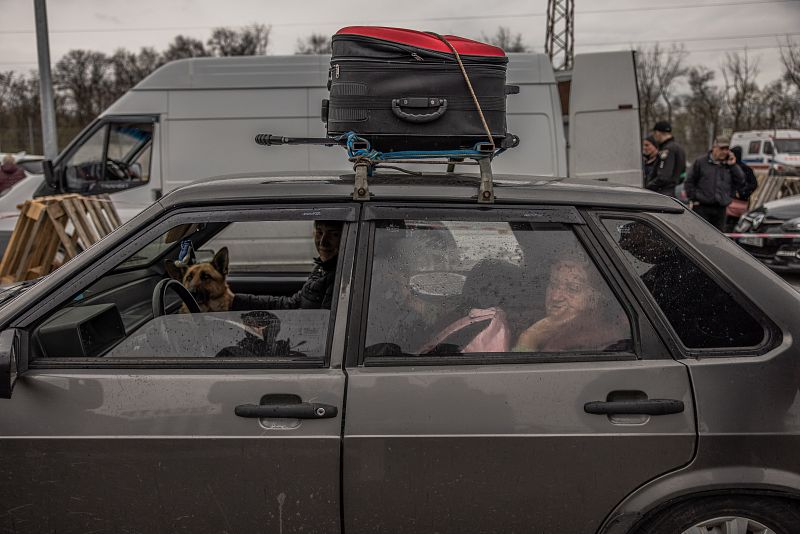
point(367, 160)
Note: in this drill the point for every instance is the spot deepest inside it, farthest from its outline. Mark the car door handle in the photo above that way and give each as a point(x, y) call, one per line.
point(637, 407)
point(303, 410)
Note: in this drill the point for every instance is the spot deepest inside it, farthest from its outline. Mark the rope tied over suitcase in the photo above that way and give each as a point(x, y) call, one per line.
point(469, 86)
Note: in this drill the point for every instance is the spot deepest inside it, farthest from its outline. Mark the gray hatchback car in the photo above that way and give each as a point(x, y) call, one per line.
point(571, 358)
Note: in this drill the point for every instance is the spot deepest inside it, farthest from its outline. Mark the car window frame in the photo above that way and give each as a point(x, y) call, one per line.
point(566, 214)
point(348, 213)
point(63, 158)
point(772, 335)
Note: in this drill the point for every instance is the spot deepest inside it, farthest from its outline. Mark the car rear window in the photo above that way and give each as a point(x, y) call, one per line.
point(703, 314)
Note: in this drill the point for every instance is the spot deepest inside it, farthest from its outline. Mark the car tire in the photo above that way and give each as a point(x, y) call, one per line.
point(703, 514)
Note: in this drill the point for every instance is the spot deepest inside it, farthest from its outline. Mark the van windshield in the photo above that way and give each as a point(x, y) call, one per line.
point(787, 146)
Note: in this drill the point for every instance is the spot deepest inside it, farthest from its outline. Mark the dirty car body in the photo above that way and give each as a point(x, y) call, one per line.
point(436, 395)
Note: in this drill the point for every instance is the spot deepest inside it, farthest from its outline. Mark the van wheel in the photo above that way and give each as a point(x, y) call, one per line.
point(735, 514)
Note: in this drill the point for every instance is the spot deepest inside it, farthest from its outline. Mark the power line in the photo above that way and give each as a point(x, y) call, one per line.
point(420, 19)
point(697, 39)
point(690, 50)
point(630, 43)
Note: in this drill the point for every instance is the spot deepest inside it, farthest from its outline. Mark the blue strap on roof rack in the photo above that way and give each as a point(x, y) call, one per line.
point(350, 138)
point(365, 159)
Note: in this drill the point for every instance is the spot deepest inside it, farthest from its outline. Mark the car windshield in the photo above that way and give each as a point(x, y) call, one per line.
point(787, 146)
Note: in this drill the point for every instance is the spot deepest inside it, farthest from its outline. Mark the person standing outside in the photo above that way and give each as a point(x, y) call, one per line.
point(713, 181)
point(649, 155)
point(670, 164)
point(10, 173)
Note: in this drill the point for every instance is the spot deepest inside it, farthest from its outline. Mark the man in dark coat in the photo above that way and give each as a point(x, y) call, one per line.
point(713, 181)
point(671, 161)
point(317, 292)
point(10, 173)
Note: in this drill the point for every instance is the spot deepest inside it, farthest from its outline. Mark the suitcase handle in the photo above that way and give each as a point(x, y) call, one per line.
point(419, 102)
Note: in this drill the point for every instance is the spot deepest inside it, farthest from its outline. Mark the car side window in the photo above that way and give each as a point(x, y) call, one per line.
point(754, 147)
point(701, 312)
point(768, 148)
point(453, 288)
point(205, 290)
point(116, 156)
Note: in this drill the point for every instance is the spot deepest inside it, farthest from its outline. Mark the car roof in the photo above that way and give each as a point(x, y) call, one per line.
point(431, 187)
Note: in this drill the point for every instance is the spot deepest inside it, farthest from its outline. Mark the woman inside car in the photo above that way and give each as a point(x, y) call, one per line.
point(579, 313)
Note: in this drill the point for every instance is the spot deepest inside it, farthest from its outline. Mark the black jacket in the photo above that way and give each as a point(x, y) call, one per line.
point(670, 164)
point(749, 184)
point(316, 293)
point(648, 167)
point(711, 183)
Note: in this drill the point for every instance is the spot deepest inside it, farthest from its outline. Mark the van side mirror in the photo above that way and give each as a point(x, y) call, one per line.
point(50, 177)
point(9, 352)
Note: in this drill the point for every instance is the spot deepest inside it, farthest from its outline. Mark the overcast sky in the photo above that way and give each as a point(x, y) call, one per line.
point(708, 28)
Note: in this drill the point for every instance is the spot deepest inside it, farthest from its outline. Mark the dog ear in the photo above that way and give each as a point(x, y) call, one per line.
point(174, 271)
point(220, 261)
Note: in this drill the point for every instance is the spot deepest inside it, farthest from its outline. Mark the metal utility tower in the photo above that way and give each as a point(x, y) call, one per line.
point(560, 33)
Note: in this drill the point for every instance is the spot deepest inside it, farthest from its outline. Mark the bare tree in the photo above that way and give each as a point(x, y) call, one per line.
point(504, 39)
point(657, 70)
point(185, 47)
point(670, 70)
point(128, 68)
point(703, 107)
point(779, 106)
point(646, 67)
point(316, 43)
point(6, 81)
point(251, 40)
point(790, 57)
point(83, 77)
point(19, 112)
point(741, 91)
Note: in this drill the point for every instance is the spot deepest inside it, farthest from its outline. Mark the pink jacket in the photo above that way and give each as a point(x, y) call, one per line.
point(496, 337)
point(9, 175)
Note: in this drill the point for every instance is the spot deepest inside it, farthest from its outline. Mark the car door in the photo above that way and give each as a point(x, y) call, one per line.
point(464, 414)
point(163, 431)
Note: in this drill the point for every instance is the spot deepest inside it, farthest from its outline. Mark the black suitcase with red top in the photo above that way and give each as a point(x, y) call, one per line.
point(404, 89)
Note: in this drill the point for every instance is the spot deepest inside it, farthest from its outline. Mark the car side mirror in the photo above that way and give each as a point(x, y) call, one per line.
point(10, 350)
point(51, 176)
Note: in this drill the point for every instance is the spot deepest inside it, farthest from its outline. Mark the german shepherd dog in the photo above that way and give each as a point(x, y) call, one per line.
point(205, 281)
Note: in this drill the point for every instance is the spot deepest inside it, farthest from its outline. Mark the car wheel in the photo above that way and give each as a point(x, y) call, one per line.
point(726, 515)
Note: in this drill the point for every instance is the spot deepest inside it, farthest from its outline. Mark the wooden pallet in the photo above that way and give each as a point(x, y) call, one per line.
point(772, 187)
point(52, 230)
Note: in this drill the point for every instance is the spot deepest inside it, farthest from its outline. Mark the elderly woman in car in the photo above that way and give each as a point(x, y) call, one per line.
point(580, 314)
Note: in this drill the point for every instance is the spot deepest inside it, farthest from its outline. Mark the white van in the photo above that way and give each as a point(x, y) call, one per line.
point(778, 149)
point(197, 118)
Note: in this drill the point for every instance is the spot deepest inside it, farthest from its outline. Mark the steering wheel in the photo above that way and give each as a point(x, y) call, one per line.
point(118, 169)
point(160, 291)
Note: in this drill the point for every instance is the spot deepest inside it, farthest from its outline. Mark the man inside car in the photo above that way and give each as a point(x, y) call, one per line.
point(317, 291)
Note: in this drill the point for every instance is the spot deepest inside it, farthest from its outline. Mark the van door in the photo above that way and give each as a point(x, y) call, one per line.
point(604, 137)
point(118, 155)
